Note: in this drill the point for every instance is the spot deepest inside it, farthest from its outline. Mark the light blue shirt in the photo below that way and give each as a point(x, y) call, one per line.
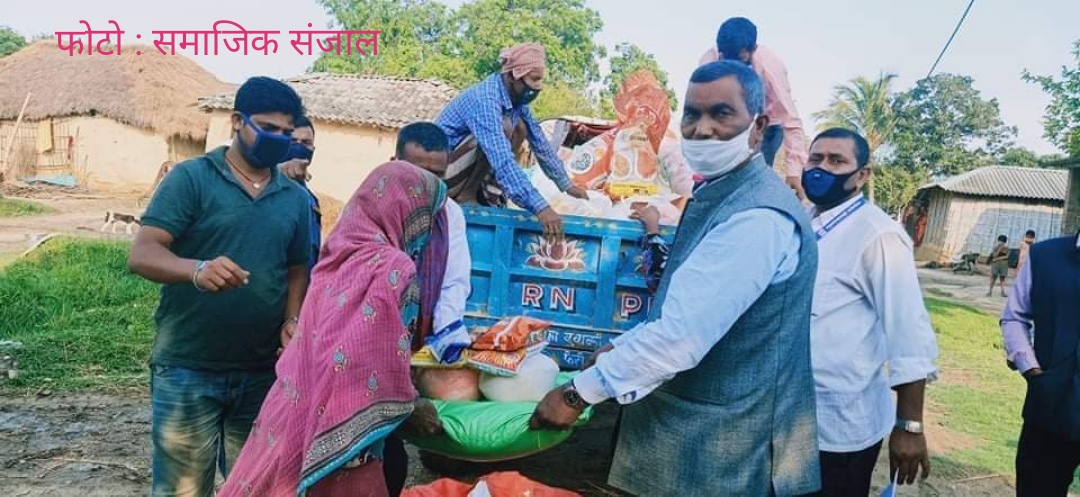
point(725, 274)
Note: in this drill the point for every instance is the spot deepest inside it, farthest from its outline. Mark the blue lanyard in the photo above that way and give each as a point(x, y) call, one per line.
point(834, 222)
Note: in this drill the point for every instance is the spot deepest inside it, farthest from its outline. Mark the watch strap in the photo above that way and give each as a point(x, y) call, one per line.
point(572, 397)
point(909, 426)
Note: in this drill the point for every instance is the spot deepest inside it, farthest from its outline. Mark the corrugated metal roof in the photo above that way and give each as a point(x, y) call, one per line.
point(1009, 181)
point(361, 99)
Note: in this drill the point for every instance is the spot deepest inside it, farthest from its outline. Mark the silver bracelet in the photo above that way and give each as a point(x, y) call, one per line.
point(195, 275)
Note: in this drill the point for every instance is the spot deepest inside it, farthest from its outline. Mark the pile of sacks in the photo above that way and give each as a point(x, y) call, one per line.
point(639, 161)
point(503, 363)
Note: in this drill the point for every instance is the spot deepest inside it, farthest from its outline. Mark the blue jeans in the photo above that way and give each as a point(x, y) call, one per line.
point(200, 418)
point(770, 143)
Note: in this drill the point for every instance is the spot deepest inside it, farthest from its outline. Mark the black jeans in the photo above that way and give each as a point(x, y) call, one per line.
point(1045, 463)
point(845, 474)
point(395, 465)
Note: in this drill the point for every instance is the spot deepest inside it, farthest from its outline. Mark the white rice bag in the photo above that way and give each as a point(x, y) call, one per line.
point(535, 377)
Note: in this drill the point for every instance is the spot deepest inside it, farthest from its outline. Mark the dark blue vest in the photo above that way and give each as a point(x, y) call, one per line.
point(744, 421)
point(1053, 399)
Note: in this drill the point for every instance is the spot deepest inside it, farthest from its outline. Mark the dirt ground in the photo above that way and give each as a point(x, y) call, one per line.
point(90, 446)
point(81, 215)
point(98, 445)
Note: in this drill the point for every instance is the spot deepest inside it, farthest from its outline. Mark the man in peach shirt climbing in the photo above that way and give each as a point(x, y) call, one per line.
point(737, 39)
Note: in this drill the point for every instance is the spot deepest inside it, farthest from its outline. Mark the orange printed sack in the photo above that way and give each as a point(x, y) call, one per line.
point(642, 101)
point(643, 114)
point(634, 165)
point(497, 363)
point(513, 484)
point(443, 487)
point(588, 163)
point(500, 484)
point(512, 334)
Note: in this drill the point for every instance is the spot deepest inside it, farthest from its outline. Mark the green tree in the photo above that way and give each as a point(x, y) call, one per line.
point(1019, 156)
point(945, 126)
point(895, 186)
point(566, 29)
point(10, 41)
point(412, 40)
point(628, 59)
point(865, 106)
point(558, 100)
point(1062, 120)
point(423, 38)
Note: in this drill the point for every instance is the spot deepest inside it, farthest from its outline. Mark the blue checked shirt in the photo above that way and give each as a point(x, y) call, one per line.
point(479, 111)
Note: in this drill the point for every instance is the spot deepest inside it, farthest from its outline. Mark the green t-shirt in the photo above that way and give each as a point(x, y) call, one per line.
point(208, 213)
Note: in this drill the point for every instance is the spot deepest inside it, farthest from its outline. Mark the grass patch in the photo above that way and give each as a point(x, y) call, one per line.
point(979, 395)
point(84, 320)
point(12, 207)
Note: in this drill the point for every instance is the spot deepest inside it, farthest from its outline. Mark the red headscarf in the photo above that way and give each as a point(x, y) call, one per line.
point(523, 58)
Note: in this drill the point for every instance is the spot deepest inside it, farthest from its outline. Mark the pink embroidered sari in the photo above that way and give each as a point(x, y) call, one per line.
point(343, 383)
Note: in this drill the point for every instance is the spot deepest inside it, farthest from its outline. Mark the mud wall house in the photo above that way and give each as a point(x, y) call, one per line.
point(966, 213)
point(356, 118)
point(108, 120)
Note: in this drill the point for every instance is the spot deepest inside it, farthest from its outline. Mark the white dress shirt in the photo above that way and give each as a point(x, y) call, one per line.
point(868, 311)
point(456, 282)
point(725, 274)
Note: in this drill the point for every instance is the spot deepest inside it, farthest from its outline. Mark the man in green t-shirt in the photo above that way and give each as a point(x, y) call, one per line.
point(227, 236)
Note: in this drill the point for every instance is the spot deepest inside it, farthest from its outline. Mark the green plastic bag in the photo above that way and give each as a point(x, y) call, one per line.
point(485, 431)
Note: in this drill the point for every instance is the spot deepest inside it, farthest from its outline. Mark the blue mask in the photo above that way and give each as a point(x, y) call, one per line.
point(826, 189)
point(269, 149)
point(299, 151)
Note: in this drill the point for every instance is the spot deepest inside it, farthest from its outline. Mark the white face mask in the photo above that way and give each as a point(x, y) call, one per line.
point(712, 158)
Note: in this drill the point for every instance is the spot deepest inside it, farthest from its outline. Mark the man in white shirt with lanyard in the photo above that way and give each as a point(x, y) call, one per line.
point(867, 312)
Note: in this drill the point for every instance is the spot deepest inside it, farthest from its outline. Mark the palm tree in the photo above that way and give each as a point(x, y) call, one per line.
point(865, 106)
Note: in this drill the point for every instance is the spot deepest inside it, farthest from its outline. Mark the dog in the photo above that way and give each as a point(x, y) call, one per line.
point(114, 218)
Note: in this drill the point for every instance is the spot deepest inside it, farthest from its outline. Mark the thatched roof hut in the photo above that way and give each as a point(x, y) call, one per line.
point(108, 121)
point(152, 91)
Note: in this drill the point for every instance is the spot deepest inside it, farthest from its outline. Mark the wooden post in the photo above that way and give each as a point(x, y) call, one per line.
point(1070, 220)
point(11, 140)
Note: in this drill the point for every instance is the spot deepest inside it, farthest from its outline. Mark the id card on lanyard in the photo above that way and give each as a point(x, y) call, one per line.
point(844, 214)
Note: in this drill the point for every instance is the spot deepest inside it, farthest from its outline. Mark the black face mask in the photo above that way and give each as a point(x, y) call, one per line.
point(826, 189)
point(528, 94)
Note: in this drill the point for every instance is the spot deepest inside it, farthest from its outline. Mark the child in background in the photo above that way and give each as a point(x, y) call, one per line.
point(999, 264)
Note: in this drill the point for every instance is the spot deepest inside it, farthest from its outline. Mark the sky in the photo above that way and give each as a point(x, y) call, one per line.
point(823, 43)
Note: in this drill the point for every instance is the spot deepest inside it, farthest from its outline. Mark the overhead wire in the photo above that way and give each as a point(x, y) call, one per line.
point(946, 47)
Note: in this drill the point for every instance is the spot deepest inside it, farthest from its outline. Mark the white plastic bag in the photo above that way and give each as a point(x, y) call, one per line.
point(535, 377)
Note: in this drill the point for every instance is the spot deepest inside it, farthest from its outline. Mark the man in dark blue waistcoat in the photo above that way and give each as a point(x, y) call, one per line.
point(1042, 308)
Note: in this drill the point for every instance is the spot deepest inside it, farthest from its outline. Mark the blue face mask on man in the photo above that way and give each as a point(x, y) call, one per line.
point(269, 149)
point(300, 151)
point(826, 189)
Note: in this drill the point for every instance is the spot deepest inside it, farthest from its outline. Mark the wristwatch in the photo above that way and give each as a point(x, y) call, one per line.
point(572, 398)
point(910, 426)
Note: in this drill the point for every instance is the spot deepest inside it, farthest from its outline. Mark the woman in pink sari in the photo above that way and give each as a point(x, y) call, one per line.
point(343, 382)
